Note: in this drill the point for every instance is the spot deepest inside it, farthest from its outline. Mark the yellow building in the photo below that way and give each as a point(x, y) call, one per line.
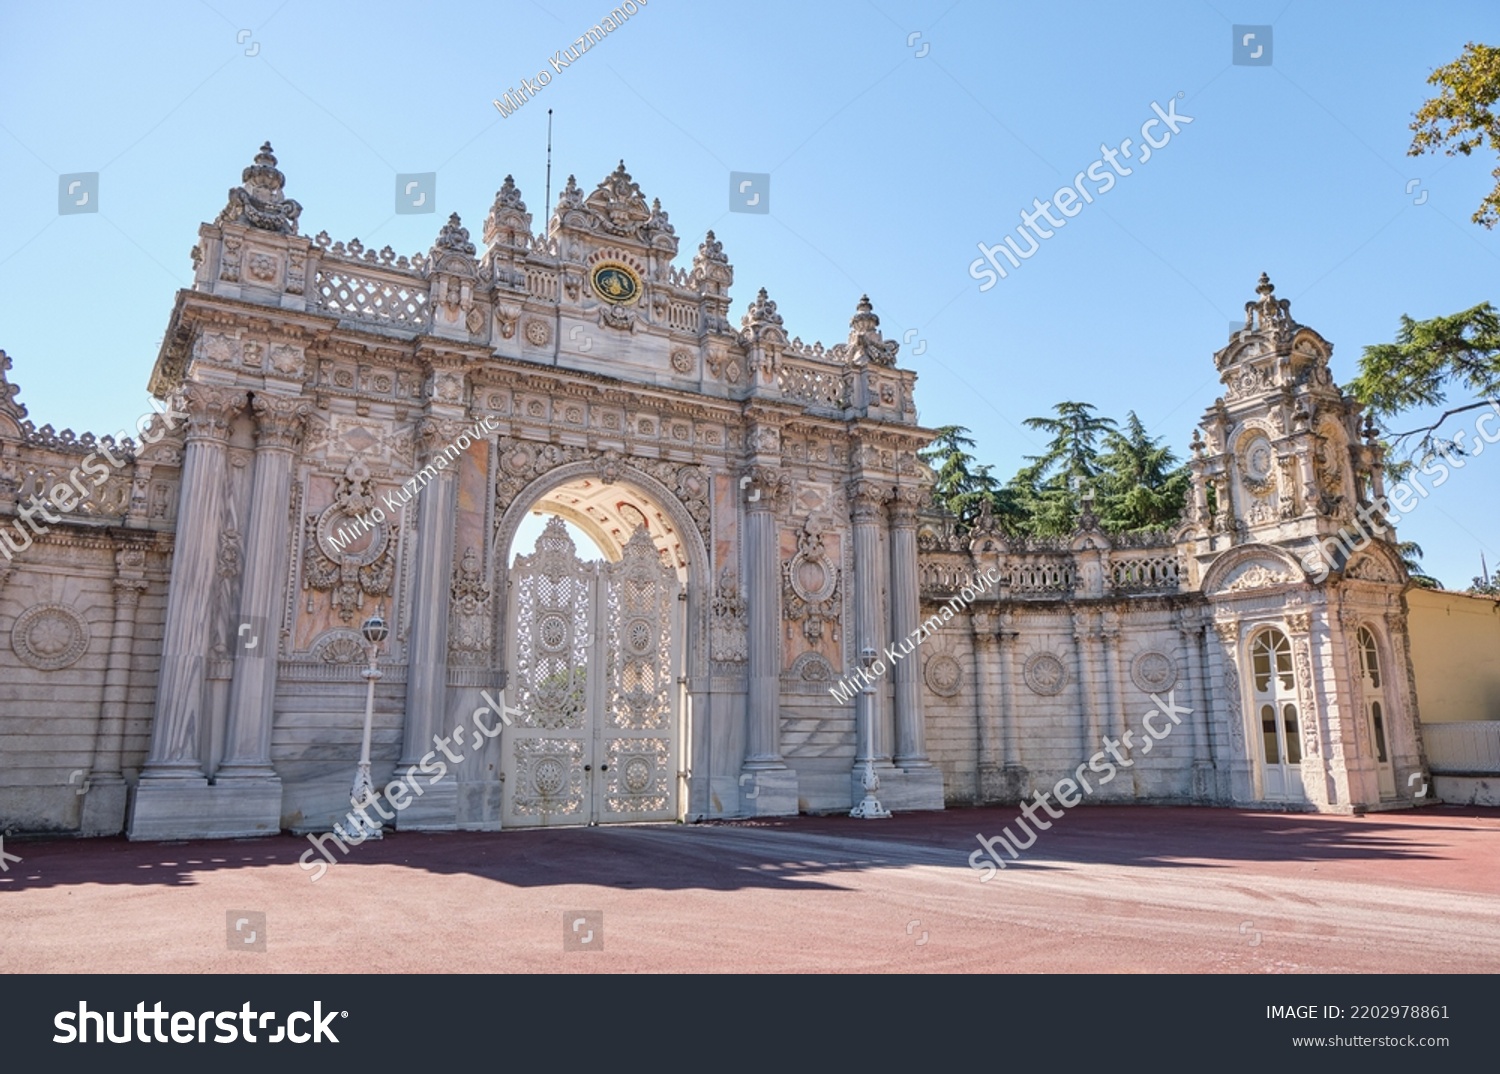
point(1455, 652)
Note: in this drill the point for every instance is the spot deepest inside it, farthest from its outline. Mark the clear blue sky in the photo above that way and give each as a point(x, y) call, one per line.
point(887, 168)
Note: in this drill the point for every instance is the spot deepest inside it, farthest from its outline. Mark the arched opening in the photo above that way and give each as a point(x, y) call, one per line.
point(1274, 685)
point(595, 645)
point(1373, 692)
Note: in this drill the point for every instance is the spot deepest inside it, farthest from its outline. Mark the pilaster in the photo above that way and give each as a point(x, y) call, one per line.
point(104, 804)
point(427, 646)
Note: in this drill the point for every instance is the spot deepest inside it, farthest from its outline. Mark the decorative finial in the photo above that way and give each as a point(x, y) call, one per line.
point(259, 200)
point(455, 237)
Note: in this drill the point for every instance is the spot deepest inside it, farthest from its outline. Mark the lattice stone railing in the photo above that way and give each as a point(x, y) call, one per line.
point(682, 316)
point(947, 574)
point(1047, 573)
point(813, 385)
point(356, 293)
point(1148, 569)
point(1039, 574)
point(542, 284)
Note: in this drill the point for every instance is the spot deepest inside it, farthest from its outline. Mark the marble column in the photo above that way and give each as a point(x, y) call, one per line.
point(911, 729)
point(104, 804)
point(171, 799)
point(763, 603)
point(280, 423)
point(185, 638)
point(427, 645)
point(866, 500)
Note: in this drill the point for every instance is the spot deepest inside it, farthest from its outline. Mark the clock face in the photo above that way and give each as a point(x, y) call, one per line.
point(615, 283)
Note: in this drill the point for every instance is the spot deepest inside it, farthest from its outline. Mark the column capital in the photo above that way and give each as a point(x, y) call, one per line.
point(903, 504)
point(867, 499)
point(435, 434)
point(128, 591)
point(764, 487)
point(210, 411)
point(1228, 631)
point(280, 420)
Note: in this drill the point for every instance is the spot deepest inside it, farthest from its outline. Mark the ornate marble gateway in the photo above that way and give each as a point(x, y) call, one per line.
point(366, 431)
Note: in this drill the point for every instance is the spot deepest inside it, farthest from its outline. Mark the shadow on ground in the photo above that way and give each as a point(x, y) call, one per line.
point(802, 853)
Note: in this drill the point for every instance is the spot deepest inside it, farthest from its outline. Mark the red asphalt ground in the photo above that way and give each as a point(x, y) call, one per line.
point(1107, 889)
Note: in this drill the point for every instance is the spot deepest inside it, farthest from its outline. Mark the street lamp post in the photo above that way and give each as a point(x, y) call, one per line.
point(869, 808)
point(362, 793)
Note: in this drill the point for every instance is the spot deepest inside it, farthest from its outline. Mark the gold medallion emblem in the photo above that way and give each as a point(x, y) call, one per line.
point(615, 283)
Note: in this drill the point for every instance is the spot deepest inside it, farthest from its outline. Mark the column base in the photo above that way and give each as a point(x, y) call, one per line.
point(768, 792)
point(104, 807)
point(191, 809)
point(1204, 782)
point(1002, 784)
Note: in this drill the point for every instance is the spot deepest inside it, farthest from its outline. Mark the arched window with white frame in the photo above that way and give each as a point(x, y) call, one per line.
point(1372, 689)
point(1274, 686)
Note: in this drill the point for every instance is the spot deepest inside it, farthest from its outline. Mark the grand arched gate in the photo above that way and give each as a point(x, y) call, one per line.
point(594, 672)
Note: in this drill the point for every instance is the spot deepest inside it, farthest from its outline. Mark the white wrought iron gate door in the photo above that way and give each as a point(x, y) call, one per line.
point(641, 728)
point(594, 676)
point(554, 677)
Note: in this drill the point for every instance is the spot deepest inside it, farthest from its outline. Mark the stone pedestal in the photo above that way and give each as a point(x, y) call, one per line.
point(177, 808)
point(435, 811)
point(769, 792)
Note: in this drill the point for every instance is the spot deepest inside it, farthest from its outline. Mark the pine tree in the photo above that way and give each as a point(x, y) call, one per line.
point(1046, 491)
point(1140, 488)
